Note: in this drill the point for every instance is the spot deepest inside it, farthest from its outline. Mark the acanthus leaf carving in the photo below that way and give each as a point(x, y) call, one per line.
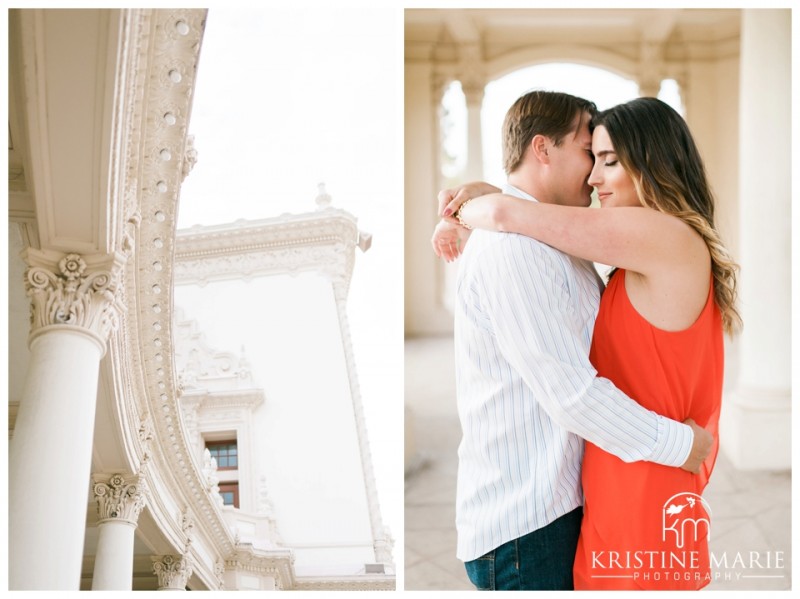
point(173, 572)
point(119, 498)
point(69, 292)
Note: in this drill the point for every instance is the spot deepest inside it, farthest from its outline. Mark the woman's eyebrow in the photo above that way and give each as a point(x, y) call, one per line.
point(604, 152)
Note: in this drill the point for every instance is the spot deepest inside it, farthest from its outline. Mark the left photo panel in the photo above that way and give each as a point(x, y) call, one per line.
point(205, 284)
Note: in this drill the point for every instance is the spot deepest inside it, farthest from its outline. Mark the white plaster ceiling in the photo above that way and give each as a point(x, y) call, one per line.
point(437, 33)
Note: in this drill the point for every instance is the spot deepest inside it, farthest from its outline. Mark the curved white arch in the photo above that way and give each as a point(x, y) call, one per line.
point(579, 54)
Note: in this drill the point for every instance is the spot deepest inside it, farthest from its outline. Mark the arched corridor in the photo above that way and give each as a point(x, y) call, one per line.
point(732, 70)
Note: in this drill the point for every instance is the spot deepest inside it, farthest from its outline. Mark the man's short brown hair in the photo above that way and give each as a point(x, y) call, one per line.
point(546, 113)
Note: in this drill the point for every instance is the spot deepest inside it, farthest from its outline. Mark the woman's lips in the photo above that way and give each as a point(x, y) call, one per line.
point(602, 196)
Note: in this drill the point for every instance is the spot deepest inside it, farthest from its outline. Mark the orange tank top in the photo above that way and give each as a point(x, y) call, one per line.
point(646, 526)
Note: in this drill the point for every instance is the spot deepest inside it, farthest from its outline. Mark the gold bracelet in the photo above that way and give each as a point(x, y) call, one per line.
point(458, 215)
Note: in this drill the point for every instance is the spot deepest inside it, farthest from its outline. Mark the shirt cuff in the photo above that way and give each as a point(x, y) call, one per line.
point(673, 443)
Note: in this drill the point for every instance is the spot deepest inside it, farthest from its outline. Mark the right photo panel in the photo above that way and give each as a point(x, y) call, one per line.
point(598, 238)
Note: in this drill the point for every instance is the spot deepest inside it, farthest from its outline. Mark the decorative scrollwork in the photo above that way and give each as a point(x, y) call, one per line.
point(172, 572)
point(119, 498)
point(74, 295)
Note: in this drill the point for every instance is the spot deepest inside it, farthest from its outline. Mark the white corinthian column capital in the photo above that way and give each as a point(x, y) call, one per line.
point(173, 572)
point(75, 292)
point(119, 498)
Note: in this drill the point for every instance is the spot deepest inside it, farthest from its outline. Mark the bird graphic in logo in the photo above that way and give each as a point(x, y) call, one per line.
point(678, 508)
point(686, 514)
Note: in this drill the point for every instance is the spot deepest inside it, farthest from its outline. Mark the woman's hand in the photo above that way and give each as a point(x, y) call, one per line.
point(451, 199)
point(448, 240)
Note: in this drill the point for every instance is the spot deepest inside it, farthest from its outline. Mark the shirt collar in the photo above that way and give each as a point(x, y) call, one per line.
point(516, 192)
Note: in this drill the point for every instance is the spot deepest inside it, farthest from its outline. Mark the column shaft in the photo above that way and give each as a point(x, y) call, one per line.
point(756, 425)
point(113, 566)
point(474, 169)
point(49, 461)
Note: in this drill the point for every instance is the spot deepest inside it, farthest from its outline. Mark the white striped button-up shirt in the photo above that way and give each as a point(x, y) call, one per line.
point(527, 393)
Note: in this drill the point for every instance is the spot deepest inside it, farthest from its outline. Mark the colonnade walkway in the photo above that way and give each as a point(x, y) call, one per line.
point(751, 511)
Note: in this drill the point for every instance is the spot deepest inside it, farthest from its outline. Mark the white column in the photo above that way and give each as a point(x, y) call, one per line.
point(756, 419)
point(425, 314)
point(472, 75)
point(50, 453)
point(474, 92)
point(119, 503)
point(173, 572)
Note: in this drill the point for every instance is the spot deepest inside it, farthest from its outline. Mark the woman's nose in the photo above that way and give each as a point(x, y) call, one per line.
point(594, 177)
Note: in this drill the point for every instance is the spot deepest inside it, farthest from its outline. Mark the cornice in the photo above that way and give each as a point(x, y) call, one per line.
point(323, 241)
point(278, 564)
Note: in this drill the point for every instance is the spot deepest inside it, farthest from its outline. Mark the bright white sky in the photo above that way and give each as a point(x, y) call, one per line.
point(285, 99)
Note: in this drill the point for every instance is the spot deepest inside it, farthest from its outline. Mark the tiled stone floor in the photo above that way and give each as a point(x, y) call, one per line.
point(751, 510)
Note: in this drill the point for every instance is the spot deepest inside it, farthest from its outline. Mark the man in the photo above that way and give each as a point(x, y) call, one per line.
point(527, 394)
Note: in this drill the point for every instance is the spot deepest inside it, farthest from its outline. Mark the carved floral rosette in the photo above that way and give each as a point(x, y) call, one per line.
point(119, 498)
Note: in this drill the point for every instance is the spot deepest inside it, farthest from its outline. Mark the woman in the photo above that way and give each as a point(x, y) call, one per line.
point(658, 333)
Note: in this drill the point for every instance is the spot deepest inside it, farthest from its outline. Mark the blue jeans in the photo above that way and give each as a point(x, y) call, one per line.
point(540, 560)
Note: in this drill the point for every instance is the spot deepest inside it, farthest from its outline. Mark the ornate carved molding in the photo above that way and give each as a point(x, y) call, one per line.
point(189, 157)
point(321, 241)
point(381, 541)
point(265, 509)
point(173, 571)
point(202, 367)
point(74, 291)
point(277, 564)
point(166, 74)
point(210, 477)
point(119, 498)
point(384, 544)
point(187, 526)
point(386, 583)
point(219, 572)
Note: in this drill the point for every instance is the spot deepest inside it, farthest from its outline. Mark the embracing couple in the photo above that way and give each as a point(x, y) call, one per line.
point(546, 357)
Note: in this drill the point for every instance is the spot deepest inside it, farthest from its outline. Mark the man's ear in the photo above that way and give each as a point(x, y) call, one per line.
point(540, 146)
